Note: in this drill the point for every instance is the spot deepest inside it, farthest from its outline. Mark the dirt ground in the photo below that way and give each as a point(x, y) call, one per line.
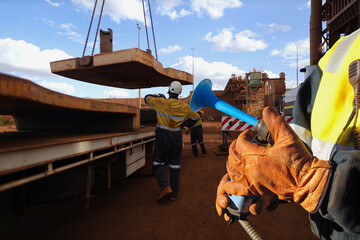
point(129, 209)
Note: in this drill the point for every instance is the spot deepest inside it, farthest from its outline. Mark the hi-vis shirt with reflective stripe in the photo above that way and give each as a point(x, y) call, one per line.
point(171, 112)
point(334, 100)
point(198, 123)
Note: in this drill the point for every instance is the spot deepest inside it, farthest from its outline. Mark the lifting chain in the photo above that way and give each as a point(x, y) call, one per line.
point(92, 18)
point(152, 26)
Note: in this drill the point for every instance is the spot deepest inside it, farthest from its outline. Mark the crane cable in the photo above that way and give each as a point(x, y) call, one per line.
point(102, 8)
point(147, 35)
point(92, 18)
point(152, 26)
point(97, 29)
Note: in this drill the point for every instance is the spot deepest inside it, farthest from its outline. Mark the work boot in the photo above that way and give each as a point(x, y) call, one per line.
point(172, 197)
point(203, 149)
point(194, 150)
point(165, 192)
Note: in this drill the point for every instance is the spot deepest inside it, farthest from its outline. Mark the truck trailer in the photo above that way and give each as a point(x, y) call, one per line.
point(62, 140)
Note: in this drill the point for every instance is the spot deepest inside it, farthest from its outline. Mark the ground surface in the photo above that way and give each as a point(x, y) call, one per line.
point(129, 210)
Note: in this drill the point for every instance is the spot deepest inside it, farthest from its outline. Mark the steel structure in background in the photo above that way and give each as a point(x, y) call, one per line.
point(315, 32)
point(342, 17)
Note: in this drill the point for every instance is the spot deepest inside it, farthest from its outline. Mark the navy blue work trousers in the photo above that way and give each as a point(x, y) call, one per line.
point(168, 147)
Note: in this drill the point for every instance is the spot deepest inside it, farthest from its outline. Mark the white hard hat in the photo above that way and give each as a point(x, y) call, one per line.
point(175, 87)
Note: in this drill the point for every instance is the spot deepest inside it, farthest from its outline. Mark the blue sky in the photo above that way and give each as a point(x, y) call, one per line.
point(227, 37)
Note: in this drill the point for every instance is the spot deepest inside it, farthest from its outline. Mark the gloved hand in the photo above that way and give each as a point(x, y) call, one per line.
point(270, 202)
point(221, 197)
point(146, 98)
point(161, 95)
point(286, 170)
point(185, 128)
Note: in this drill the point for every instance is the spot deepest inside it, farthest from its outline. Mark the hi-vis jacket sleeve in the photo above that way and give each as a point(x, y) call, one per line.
point(171, 113)
point(323, 120)
point(339, 213)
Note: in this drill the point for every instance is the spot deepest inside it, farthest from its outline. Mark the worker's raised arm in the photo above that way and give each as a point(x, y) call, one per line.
point(154, 100)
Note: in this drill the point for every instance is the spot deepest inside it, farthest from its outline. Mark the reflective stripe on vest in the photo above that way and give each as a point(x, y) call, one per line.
point(303, 133)
point(169, 128)
point(171, 117)
point(171, 112)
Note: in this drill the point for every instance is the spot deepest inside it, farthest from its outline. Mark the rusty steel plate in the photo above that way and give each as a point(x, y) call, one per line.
point(129, 68)
point(38, 108)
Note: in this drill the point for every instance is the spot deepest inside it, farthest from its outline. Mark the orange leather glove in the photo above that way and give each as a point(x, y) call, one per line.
point(286, 170)
point(270, 202)
point(221, 197)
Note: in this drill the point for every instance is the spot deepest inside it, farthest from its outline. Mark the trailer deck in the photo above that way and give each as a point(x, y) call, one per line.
point(36, 108)
point(42, 154)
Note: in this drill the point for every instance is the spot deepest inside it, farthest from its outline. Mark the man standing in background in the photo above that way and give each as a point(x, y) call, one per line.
point(196, 134)
point(172, 116)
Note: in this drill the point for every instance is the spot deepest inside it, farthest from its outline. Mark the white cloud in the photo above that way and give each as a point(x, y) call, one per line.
point(116, 93)
point(271, 74)
point(169, 4)
point(289, 51)
point(243, 41)
point(71, 34)
point(175, 15)
point(67, 30)
point(59, 87)
point(288, 83)
point(214, 8)
point(276, 27)
point(167, 7)
point(170, 49)
point(184, 13)
point(53, 3)
point(118, 10)
point(20, 56)
point(273, 27)
point(301, 63)
point(48, 22)
point(275, 52)
point(218, 72)
point(306, 5)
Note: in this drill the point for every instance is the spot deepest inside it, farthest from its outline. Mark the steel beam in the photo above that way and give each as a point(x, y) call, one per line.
point(129, 68)
point(36, 108)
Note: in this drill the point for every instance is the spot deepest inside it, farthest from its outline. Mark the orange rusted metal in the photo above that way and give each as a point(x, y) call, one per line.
point(37, 108)
point(129, 68)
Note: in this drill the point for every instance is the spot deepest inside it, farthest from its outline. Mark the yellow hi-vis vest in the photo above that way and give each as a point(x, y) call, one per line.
point(198, 123)
point(334, 99)
point(171, 112)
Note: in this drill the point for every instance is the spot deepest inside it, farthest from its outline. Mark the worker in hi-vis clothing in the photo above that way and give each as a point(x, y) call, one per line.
point(314, 161)
point(196, 135)
point(172, 116)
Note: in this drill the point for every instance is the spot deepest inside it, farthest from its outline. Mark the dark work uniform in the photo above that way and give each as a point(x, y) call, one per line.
point(171, 113)
point(196, 134)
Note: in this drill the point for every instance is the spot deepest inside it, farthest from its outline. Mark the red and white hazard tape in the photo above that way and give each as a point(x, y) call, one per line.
point(233, 124)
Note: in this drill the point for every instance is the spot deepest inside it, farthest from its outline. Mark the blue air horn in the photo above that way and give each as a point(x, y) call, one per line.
point(204, 97)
